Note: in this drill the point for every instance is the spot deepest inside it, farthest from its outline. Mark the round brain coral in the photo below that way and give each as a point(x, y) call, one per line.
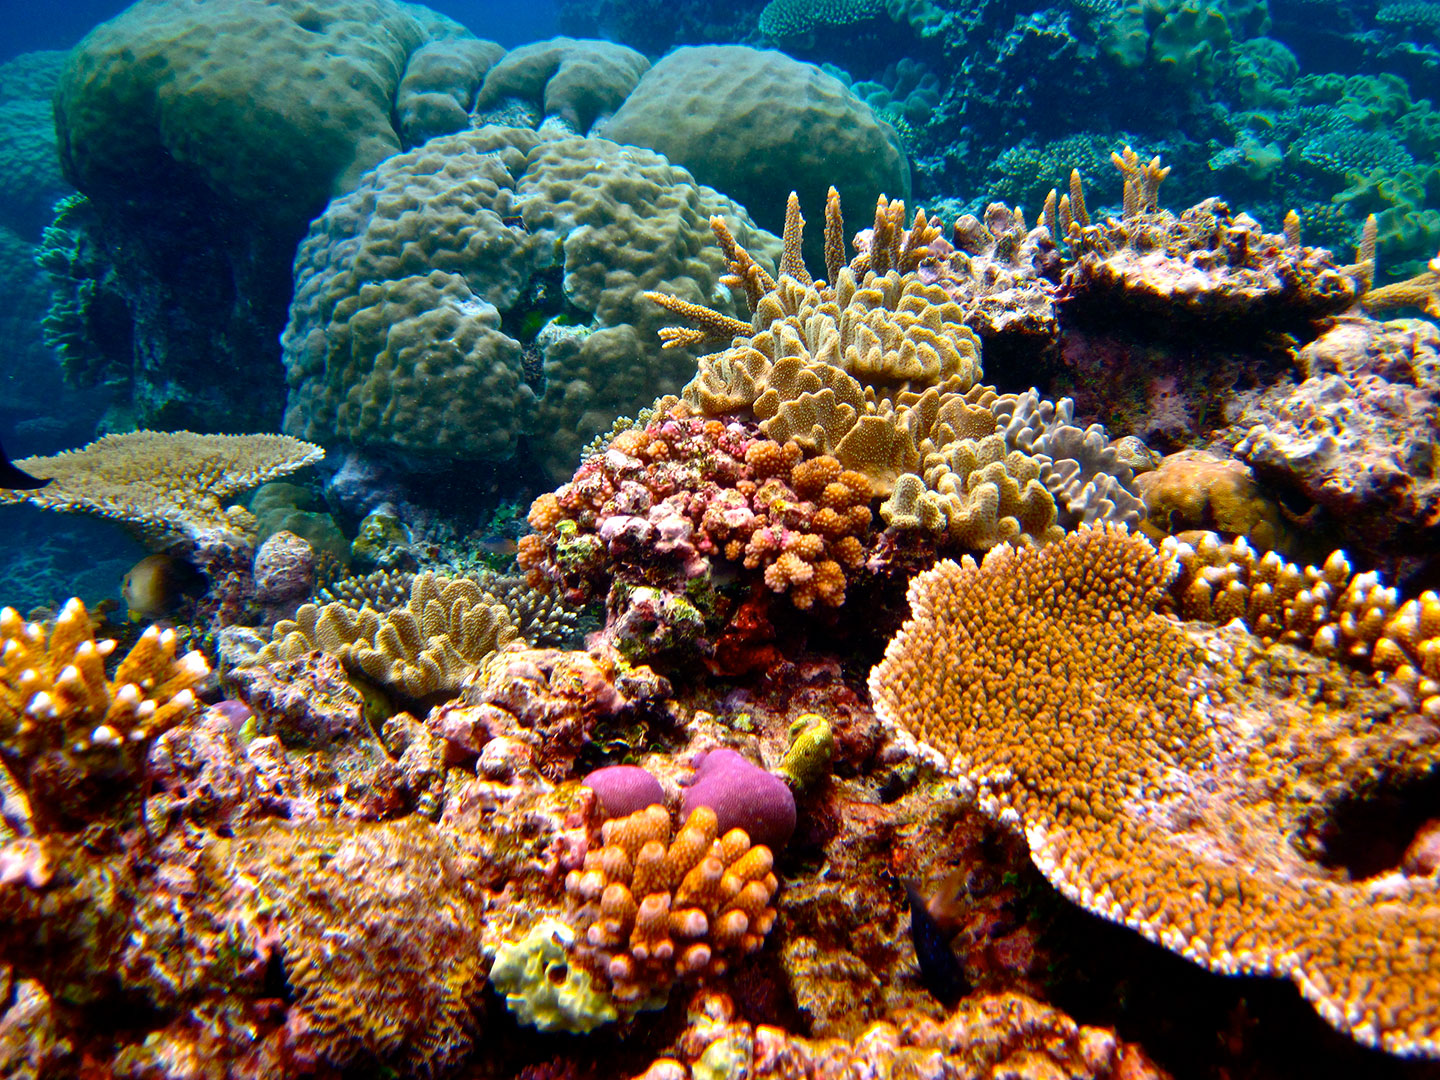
point(759, 125)
point(486, 285)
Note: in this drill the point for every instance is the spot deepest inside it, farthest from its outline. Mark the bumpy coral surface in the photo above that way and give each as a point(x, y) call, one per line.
point(275, 106)
point(1005, 1035)
point(378, 929)
point(485, 286)
point(1358, 435)
point(1150, 768)
point(579, 82)
point(72, 736)
point(663, 501)
point(655, 904)
point(758, 125)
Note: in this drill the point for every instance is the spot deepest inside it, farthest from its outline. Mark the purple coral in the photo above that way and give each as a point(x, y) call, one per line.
point(743, 795)
point(624, 789)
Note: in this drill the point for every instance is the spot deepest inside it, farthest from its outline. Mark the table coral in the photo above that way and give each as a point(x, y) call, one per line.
point(164, 483)
point(72, 736)
point(1151, 766)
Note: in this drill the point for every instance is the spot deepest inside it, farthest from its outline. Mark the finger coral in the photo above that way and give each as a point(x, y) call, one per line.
point(74, 737)
point(164, 482)
point(1170, 776)
point(652, 906)
point(423, 649)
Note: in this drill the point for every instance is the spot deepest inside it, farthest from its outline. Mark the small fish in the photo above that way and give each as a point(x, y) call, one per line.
point(18, 479)
point(157, 584)
point(940, 969)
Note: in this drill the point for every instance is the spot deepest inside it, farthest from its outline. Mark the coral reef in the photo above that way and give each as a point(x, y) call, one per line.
point(757, 125)
point(1357, 437)
point(581, 83)
point(1136, 808)
point(650, 905)
point(165, 483)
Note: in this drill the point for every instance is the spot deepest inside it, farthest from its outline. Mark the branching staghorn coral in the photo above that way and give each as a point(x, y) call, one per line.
point(423, 649)
point(73, 737)
point(164, 482)
point(1162, 772)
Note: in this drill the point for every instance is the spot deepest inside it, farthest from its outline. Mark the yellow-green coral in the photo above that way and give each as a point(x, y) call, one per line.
point(812, 745)
point(543, 988)
point(1160, 772)
point(422, 649)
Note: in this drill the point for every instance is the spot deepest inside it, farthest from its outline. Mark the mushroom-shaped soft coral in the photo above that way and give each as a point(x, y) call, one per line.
point(743, 796)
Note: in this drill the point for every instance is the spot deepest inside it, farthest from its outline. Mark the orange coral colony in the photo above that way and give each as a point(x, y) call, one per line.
point(1155, 782)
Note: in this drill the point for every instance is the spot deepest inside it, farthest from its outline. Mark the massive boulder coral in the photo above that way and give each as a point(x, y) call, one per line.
point(207, 135)
point(485, 287)
point(1151, 766)
point(275, 106)
point(578, 82)
point(757, 125)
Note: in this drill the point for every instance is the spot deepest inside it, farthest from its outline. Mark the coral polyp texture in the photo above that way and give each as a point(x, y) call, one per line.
point(164, 483)
point(378, 927)
point(74, 737)
point(1175, 777)
point(653, 905)
point(485, 286)
point(425, 648)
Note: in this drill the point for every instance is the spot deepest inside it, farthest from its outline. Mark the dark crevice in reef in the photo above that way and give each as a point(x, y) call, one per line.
point(1369, 833)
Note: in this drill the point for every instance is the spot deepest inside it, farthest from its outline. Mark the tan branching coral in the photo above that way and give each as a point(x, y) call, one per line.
point(71, 735)
point(879, 371)
point(1168, 775)
point(423, 649)
point(1421, 291)
point(1329, 609)
point(164, 482)
point(652, 905)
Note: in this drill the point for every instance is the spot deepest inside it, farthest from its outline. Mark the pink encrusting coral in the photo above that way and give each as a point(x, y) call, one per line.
point(664, 503)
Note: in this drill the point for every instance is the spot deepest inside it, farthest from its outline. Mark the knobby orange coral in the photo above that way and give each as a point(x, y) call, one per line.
point(1160, 771)
point(65, 727)
point(656, 907)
